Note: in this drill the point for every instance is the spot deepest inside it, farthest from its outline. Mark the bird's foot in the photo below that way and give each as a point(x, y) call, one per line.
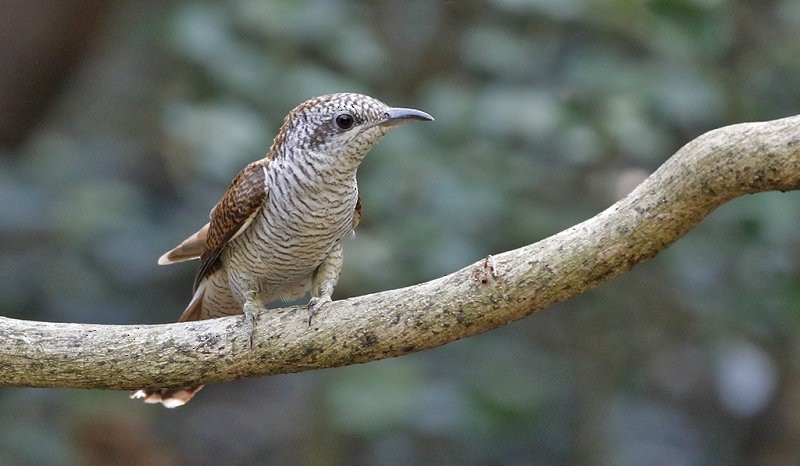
point(315, 304)
point(249, 320)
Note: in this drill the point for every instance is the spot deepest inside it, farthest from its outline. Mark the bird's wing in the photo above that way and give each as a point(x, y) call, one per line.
point(233, 214)
point(190, 248)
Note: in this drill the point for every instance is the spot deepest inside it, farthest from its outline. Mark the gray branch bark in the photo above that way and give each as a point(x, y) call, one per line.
point(709, 171)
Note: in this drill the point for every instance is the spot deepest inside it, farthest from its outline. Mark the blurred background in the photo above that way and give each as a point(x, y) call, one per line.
point(122, 123)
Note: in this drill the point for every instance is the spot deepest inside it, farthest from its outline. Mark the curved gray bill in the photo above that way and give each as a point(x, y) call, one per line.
point(396, 116)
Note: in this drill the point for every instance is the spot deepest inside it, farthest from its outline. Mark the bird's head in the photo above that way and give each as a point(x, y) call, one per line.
point(340, 125)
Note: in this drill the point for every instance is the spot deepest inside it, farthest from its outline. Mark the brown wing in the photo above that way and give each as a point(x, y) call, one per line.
point(191, 248)
point(233, 213)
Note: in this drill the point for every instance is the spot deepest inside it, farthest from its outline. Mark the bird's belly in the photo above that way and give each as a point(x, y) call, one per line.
point(276, 256)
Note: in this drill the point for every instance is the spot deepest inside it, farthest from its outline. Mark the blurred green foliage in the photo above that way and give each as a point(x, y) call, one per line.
point(547, 111)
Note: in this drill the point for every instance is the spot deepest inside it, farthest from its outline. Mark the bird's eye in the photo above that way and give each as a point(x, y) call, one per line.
point(344, 121)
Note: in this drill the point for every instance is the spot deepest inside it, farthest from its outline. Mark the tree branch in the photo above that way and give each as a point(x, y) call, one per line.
point(712, 169)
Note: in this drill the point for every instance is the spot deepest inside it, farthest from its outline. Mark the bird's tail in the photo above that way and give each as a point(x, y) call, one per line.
point(169, 397)
point(174, 397)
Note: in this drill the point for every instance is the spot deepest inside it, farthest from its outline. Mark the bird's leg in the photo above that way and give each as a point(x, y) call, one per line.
point(250, 310)
point(324, 280)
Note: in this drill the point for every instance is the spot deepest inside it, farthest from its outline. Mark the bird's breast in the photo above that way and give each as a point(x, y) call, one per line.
point(292, 234)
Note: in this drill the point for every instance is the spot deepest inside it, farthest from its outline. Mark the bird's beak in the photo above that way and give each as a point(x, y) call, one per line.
point(397, 116)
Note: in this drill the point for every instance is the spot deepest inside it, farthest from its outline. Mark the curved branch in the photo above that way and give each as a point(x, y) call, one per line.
point(712, 169)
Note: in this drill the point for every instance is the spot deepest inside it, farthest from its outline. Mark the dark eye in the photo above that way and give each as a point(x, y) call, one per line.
point(344, 121)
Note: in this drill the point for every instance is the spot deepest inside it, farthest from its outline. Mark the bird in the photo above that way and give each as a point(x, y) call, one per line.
point(277, 232)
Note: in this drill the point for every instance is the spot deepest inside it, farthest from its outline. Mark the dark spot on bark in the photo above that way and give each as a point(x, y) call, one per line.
point(310, 350)
point(368, 339)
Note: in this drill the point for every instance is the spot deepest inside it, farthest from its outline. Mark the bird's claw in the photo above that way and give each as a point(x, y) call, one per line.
point(249, 321)
point(315, 304)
